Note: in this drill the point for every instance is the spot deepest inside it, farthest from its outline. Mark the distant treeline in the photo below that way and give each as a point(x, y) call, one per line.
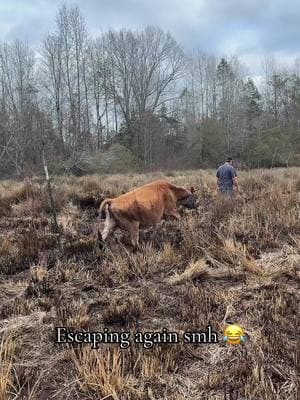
point(139, 90)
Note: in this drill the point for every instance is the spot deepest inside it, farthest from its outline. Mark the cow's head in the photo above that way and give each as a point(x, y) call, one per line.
point(190, 200)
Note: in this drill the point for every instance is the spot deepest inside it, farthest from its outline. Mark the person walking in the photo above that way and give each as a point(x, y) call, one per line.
point(227, 178)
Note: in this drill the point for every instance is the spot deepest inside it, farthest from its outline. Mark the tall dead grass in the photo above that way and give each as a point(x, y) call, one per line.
point(7, 349)
point(229, 261)
point(101, 372)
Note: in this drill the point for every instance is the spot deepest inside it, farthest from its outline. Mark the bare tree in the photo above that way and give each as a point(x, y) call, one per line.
point(52, 78)
point(19, 105)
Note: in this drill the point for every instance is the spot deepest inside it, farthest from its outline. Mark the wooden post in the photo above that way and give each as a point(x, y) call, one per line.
point(51, 200)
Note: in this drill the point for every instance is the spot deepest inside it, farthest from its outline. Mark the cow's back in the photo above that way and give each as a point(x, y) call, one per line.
point(146, 204)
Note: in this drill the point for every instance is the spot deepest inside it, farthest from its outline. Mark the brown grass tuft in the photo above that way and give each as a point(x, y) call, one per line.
point(168, 255)
point(74, 315)
point(102, 372)
point(195, 269)
point(124, 313)
point(238, 255)
point(7, 349)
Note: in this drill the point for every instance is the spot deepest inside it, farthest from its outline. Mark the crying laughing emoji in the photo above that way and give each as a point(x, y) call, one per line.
point(234, 334)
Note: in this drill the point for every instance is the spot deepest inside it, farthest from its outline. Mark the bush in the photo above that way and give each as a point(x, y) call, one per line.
point(114, 160)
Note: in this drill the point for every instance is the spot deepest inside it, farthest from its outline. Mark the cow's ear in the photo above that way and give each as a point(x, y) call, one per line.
point(192, 189)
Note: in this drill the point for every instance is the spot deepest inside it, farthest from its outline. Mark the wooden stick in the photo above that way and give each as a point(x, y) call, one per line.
point(51, 200)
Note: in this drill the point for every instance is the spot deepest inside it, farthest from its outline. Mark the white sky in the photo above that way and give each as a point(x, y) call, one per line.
point(249, 29)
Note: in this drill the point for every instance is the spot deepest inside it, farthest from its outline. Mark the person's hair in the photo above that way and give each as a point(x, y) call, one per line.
point(229, 159)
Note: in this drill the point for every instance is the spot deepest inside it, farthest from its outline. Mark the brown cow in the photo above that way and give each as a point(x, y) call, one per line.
point(144, 206)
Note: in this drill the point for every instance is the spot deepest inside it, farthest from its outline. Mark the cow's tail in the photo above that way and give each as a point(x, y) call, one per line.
point(103, 204)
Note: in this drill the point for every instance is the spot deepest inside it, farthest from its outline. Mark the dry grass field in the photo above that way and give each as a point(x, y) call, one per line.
point(229, 262)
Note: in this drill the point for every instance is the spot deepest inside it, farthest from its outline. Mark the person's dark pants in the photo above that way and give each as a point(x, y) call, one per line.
point(226, 191)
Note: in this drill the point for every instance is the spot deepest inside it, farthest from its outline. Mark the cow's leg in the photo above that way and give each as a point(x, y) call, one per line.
point(171, 209)
point(174, 213)
point(110, 225)
point(134, 233)
point(130, 226)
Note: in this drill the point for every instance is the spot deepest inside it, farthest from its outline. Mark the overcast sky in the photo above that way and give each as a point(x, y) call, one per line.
point(250, 29)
